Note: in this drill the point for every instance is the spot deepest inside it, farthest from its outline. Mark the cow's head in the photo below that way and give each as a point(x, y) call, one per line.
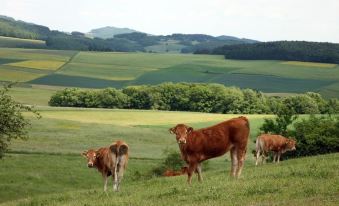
point(290, 144)
point(91, 156)
point(181, 131)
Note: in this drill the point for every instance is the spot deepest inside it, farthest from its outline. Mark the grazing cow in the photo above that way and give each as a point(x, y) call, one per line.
point(275, 143)
point(109, 161)
point(171, 173)
point(202, 144)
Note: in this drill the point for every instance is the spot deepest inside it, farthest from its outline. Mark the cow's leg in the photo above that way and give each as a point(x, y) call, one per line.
point(278, 156)
point(115, 177)
point(105, 181)
point(257, 157)
point(234, 161)
point(120, 171)
point(191, 168)
point(274, 156)
point(241, 152)
point(199, 172)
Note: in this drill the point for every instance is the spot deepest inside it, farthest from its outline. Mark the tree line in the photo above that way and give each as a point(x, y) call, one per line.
point(211, 98)
point(279, 50)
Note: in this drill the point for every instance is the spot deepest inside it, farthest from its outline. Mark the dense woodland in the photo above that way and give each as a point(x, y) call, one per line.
point(280, 50)
point(213, 98)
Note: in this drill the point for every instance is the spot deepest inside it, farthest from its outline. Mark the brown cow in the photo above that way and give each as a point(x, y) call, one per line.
point(275, 143)
point(109, 161)
point(202, 144)
point(171, 173)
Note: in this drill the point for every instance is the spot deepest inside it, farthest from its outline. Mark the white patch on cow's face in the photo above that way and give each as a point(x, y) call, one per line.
point(91, 157)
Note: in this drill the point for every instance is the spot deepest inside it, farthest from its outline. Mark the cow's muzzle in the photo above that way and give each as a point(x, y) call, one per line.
point(182, 141)
point(90, 165)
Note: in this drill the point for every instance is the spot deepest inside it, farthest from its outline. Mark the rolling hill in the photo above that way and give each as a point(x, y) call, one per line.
point(113, 39)
point(108, 32)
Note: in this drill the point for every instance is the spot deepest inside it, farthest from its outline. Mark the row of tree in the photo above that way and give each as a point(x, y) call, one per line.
point(279, 50)
point(213, 98)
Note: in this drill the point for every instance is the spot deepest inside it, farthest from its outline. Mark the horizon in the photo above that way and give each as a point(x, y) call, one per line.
point(261, 20)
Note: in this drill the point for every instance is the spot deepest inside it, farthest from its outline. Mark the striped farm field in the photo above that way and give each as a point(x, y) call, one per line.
point(118, 69)
point(17, 75)
point(39, 64)
point(310, 64)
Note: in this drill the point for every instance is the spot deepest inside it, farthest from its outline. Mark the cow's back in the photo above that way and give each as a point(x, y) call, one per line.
point(218, 139)
point(271, 142)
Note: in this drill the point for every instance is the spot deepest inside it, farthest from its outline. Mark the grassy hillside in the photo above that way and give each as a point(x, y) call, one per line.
point(21, 43)
point(112, 69)
point(48, 169)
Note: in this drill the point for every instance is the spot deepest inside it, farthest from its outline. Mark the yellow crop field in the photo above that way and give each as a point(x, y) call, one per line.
point(137, 117)
point(39, 64)
point(17, 76)
point(310, 64)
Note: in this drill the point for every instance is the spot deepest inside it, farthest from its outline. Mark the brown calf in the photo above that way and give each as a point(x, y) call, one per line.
point(109, 161)
point(275, 143)
point(171, 173)
point(202, 144)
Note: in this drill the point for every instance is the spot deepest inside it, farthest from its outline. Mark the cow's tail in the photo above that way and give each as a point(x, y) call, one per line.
point(259, 145)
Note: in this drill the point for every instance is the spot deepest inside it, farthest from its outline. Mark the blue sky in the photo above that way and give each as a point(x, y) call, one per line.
point(264, 20)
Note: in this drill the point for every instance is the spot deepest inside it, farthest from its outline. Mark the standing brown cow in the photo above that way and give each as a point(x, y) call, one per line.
point(275, 143)
point(109, 161)
point(202, 144)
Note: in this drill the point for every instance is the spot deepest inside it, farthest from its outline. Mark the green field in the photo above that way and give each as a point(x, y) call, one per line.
point(114, 69)
point(48, 169)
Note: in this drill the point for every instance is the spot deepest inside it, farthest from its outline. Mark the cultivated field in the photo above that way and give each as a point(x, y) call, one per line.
point(48, 169)
point(113, 69)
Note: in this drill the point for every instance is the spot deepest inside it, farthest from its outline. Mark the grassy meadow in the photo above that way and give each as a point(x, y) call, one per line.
point(49, 170)
point(118, 69)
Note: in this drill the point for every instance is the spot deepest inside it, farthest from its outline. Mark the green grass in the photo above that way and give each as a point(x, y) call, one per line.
point(35, 95)
point(48, 169)
point(17, 42)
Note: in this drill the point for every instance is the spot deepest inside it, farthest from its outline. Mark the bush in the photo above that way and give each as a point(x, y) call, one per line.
point(316, 135)
point(172, 161)
point(13, 125)
point(213, 98)
point(280, 124)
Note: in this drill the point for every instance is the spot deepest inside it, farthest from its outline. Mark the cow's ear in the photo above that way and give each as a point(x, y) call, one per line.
point(189, 129)
point(84, 153)
point(172, 130)
point(97, 154)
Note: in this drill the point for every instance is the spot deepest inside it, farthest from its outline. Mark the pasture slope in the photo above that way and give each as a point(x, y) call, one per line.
point(12, 42)
point(48, 169)
point(114, 69)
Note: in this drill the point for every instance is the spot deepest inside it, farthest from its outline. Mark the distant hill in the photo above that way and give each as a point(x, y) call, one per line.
point(11, 28)
point(113, 39)
point(232, 38)
point(108, 32)
point(281, 50)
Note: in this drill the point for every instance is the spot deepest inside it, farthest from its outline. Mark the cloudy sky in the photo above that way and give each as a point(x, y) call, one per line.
point(264, 20)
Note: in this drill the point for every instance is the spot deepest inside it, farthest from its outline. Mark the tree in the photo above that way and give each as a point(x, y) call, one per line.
point(285, 117)
point(13, 125)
